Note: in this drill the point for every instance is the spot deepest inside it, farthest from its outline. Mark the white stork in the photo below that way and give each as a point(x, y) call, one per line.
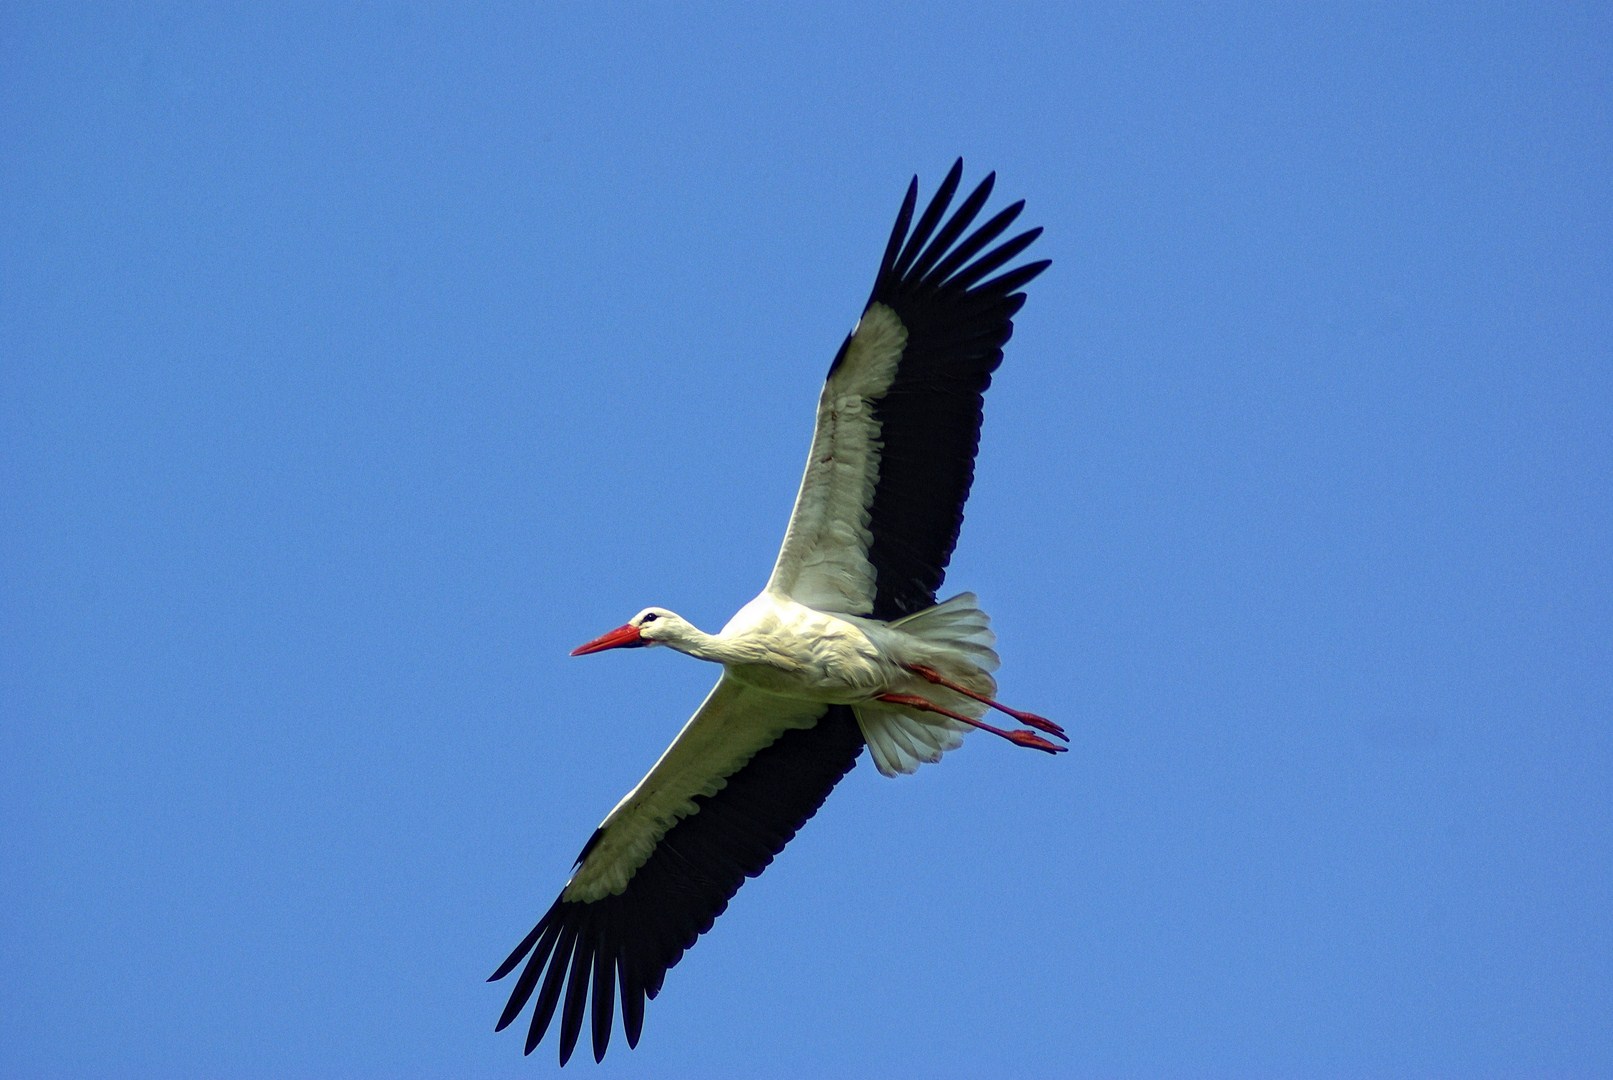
point(845, 647)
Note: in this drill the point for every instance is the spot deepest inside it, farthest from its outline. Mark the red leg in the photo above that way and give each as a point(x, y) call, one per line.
point(1018, 738)
point(1040, 723)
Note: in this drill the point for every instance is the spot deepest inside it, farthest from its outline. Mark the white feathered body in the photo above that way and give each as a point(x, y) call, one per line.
point(782, 647)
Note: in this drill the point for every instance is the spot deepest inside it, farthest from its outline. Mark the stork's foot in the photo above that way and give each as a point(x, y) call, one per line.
point(1040, 723)
point(1029, 719)
point(1034, 741)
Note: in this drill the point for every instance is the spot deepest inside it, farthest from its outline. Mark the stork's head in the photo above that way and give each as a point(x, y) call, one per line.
point(652, 626)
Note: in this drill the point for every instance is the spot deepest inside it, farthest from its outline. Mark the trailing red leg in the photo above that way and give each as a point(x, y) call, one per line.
point(1018, 737)
point(1040, 723)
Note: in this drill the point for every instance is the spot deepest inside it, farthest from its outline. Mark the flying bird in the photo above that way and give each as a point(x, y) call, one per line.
point(845, 647)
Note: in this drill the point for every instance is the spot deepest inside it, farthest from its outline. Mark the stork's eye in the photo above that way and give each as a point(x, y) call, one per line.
point(648, 618)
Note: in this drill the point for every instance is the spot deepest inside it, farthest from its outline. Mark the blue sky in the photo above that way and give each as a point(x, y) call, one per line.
point(359, 361)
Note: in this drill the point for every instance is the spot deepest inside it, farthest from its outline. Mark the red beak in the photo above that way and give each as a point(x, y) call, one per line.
point(623, 637)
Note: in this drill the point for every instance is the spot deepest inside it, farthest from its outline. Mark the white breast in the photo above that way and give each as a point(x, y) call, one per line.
point(795, 651)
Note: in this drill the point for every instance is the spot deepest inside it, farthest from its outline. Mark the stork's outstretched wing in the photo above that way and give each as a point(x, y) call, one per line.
point(744, 774)
point(898, 425)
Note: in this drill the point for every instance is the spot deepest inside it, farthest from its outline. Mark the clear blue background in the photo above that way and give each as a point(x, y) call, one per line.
point(360, 360)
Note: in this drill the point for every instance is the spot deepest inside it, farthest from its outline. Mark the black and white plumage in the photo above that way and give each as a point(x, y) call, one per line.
point(846, 646)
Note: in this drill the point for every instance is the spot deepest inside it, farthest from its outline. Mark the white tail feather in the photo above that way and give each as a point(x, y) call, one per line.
point(955, 638)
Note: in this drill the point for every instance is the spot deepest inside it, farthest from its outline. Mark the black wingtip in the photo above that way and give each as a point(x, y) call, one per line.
point(1016, 279)
point(953, 229)
point(549, 994)
point(933, 213)
point(904, 217)
point(520, 951)
point(604, 995)
point(576, 991)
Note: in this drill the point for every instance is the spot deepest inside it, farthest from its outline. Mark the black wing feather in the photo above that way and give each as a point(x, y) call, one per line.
point(977, 242)
point(685, 884)
point(930, 416)
point(930, 218)
point(955, 226)
point(604, 993)
point(549, 996)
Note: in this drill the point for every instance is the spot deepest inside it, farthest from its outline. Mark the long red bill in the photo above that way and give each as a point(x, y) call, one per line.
point(623, 637)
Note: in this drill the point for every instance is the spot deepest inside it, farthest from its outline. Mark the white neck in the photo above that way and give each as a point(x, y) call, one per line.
point(718, 648)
